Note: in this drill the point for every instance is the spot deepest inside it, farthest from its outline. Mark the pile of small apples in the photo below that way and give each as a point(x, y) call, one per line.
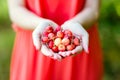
point(59, 40)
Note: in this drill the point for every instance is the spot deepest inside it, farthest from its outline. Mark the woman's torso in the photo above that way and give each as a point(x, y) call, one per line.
point(56, 10)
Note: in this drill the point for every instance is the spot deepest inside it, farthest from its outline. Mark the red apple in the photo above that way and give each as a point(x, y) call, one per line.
point(45, 39)
point(74, 46)
point(76, 41)
point(50, 44)
point(45, 34)
point(51, 36)
point(68, 33)
point(57, 41)
point(55, 49)
point(61, 47)
point(70, 47)
point(57, 29)
point(65, 41)
point(60, 34)
point(49, 29)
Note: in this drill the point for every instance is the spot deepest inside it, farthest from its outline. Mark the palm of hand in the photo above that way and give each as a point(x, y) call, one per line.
point(78, 31)
point(36, 35)
point(73, 27)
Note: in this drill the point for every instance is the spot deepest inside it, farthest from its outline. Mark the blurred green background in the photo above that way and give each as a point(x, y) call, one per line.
point(109, 29)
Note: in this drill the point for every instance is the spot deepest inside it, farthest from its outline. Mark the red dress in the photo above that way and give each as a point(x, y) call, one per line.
point(29, 64)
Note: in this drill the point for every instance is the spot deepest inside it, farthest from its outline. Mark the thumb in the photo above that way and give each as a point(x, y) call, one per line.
point(46, 51)
point(85, 41)
point(36, 40)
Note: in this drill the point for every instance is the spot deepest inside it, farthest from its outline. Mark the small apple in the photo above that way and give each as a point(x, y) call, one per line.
point(45, 34)
point(51, 36)
point(50, 44)
point(55, 49)
point(49, 29)
point(57, 41)
point(68, 33)
point(60, 34)
point(70, 47)
point(61, 47)
point(76, 41)
point(45, 39)
point(60, 40)
point(57, 29)
point(65, 41)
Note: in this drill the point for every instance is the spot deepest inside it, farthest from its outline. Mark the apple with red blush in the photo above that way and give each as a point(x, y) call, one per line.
point(45, 39)
point(55, 49)
point(50, 44)
point(51, 36)
point(60, 34)
point(61, 47)
point(70, 47)
point(60, 40)
point(76, 41)
point(65, 41)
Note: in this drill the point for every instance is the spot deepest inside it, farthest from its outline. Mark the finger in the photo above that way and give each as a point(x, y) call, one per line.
point(57, 56)
point(54, 25)
point(46, 51)
point(65, 26)
point(78, 49)
point(71, 26)
point(51, 23)
point(39, 29)
point(68, 53)
point(43, 24)
point(36, 35)
point(85, 43)
point(62, 54)
point(36, 40)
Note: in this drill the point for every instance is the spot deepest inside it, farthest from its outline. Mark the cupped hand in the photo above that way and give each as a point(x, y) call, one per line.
point(48, 52)
point(37, 33)
point(64, 54)
point(36, 36)
point(78, 31)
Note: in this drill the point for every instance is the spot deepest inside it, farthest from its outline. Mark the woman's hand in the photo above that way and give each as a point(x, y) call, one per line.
point(36, 35)
point(78, 31)
point(48, 52)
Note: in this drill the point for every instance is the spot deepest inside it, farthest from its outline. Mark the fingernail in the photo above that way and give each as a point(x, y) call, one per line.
point(68, 54)
point(87, 51)
point(37, 48)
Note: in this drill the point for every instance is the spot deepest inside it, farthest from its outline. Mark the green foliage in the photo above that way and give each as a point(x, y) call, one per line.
point(4, 17)
point(109, 33)
point(117, 6)
point(6, 39)
point(110, 37)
